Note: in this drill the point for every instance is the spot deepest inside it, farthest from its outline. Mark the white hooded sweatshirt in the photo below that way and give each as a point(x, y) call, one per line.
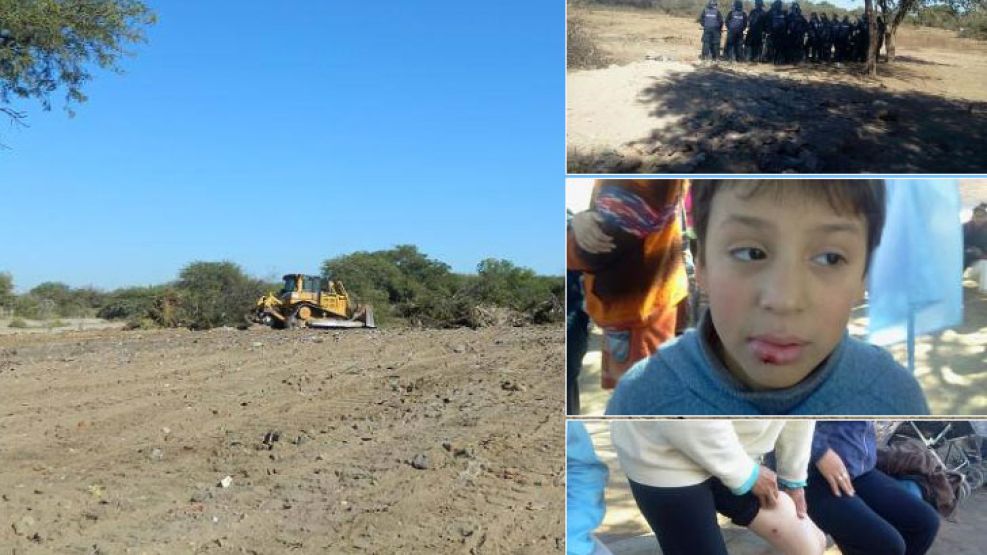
point(677, 453)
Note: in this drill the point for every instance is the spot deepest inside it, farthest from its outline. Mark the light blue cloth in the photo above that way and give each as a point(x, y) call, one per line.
point(918, 266)
point(911, 487)
point(585, 479)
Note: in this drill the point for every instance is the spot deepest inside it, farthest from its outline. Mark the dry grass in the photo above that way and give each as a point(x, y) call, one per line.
point(582, 50)
point(909, 36)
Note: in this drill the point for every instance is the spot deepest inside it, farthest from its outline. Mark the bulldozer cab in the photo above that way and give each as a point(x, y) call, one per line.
point(301, 287)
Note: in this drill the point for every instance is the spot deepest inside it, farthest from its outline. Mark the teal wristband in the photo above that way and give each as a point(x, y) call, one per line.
point(746, 486)
point(789, 484)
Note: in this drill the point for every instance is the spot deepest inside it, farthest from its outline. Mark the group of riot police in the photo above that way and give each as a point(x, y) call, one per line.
point(784, 36)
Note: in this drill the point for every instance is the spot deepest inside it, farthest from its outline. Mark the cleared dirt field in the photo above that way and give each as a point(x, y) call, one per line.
point(341, 442)
point(655, 108)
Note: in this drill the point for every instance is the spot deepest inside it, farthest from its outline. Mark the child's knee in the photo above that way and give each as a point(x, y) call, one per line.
point(812, 541)
point(820, 540)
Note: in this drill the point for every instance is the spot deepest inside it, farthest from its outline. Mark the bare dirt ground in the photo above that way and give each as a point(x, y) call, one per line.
point(59, 325)
point(343, 442)
point(656, 109)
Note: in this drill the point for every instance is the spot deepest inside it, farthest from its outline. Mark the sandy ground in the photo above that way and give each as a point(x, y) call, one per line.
point(626, 532)
point(60, 325)
point(342, 442)
point(656, 109)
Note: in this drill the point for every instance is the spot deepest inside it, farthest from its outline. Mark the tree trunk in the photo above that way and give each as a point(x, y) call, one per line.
point(890, 42)
point(871, 67)
point(885, 16)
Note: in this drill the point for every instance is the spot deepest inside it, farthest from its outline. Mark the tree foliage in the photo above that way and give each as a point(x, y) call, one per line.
point(501, 283)
point(6, 290)
point(132, 303)
point(401, 283)
point(969, 19)
point(397, 282)
point(212, 294)
point(405, 283)
point(52, 45)
point(55, 299)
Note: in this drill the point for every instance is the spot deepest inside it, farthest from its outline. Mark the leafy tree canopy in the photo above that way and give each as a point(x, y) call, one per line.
point(52, 45)
point(215, 294)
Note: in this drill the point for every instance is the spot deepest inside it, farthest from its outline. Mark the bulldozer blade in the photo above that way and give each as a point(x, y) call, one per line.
point(335, 323)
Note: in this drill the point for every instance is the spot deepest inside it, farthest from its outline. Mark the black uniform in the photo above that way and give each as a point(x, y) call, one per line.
point(755, 32)
point(825, 39)
point(797, 27)
point(863, 28)
point(712, 24)
point(736, 23)
point(777, 33)
point(815, 32)
point(841, 39)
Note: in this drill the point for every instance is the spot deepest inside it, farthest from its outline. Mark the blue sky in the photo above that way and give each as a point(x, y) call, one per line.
point(279, 134)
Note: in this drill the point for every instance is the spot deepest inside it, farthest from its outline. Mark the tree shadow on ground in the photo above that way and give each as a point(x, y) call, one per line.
point(852, 73)
point(913, 60)
point(957, 362)
point(740, 122)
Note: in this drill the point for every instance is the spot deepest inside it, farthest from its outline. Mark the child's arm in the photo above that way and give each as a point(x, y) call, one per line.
point(793, 450)
point(713, 445)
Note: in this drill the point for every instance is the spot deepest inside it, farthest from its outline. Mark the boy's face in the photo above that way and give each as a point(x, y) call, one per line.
point(782, 273)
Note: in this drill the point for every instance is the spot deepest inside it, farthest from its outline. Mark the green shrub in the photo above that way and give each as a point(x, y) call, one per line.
point(17, 323)
point(213, 294)
point(6, 290)
point(131, 302)
point(28, 306)
point(405, 284)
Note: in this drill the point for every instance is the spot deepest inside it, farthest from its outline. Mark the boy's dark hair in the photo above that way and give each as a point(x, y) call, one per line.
point(862, 197)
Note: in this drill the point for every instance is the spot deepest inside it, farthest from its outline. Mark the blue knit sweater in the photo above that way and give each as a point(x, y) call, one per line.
point(686, 378)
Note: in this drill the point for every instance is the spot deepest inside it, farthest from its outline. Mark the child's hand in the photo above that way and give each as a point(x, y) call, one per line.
point(798, 496)
point(766, 487)
point(588, 235)
point(831, 467)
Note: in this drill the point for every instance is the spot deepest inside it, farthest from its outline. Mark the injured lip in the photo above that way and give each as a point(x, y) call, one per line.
point(776, 349)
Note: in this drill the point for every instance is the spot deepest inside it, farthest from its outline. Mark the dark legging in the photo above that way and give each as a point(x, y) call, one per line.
point(883, 517)
point(684, 519)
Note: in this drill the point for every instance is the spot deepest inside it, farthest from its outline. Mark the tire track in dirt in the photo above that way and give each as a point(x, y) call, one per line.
point(484, 407)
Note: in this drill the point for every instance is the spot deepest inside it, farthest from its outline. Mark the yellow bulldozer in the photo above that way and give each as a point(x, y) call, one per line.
point(312, 301)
